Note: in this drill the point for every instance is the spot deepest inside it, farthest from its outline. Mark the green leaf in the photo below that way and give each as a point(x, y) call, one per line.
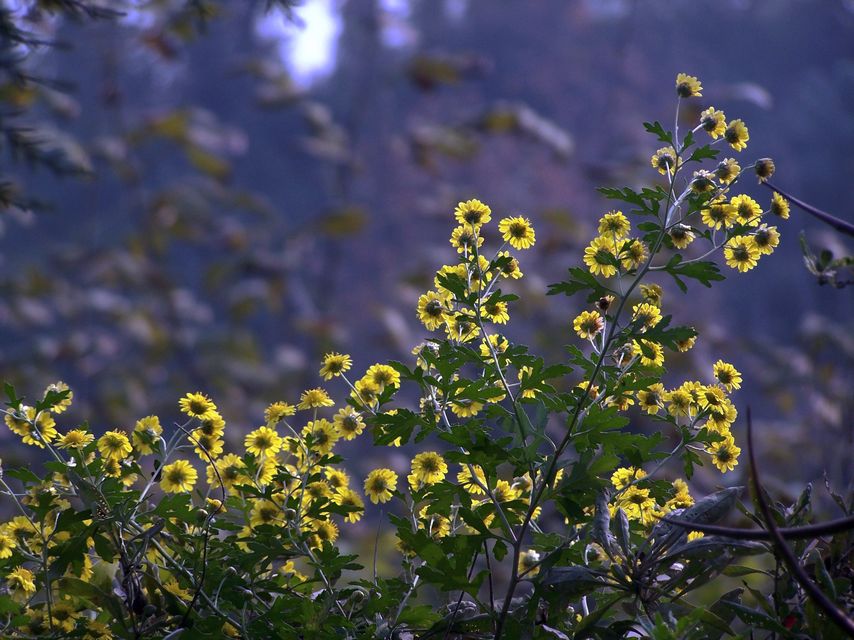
point(658, 130)
point(704, 153)
point(579, 280)
point(704, 272)
point(572, 582)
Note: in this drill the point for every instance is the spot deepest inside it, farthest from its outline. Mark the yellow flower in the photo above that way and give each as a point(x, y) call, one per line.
point(436, 525)
point(35, 428)
point(348, 423)
point(495, 312)
point(652, 399)
point(114, 445)
point(721, 417)
point(196, 405)
point(727, 375)
point(624, 476)
point(614, 225)
point(365, 393)
point(337, 479)
point(7, 543)
point(498, 342)
point(231, 471)
point(380, 485)
point(467, 482)
point(472, 213)
point(212, 425)
point(464, 238)
point(588, 324)
point(263, 442)
point(289, 569)
point(686, 344)
point(505, 492)
point(651, 353)
point(779, 206)
point(741, 253)
point(334, 364)
point(322, 435)
point(688, 86)
point(764, 169)
point(702, 182)
point(177, 477)
point(524, 380)
point(349, 498)
point(62, 405)
point(681, 235)
point(278, 411)
point(462, 328)
point(727, 170)
point(679, 403)
point(315, 398)
point(266, 512)
point(172, 586)
point(632, 254)
point(433, 310)
point(652, 293)
point(665, 160)
point(383, 376)
point(765, 239)
point(509, 265)
point(713, 122)
point(637, 504)
point(736, 135)
point(724, 454)
point(146, 433)
point(695, 535)
point(75, 439)
point(324, 531)
point(429, 467)
point(599, 256)
point(518, 232)
point(63, 616)
point(747, 210)
point(21, 581)
point(464, 408)
point(647, 314)
point(207, 445)
point(718, 214)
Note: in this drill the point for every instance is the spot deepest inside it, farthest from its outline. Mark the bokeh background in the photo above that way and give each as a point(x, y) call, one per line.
point(204, 195)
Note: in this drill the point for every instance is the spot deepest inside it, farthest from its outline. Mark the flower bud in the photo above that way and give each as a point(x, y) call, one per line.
point(764, 168)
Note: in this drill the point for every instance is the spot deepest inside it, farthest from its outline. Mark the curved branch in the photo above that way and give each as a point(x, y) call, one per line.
point(791, 533)
point(836, 615)
point(840, 225)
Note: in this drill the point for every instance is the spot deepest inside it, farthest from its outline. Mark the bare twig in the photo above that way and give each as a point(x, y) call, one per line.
point(840, 225)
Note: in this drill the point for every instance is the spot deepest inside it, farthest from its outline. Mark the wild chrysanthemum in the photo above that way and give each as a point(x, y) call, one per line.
point(21, 581)
point(334, 364)
point(207, 445)
point(588, 324)
point(711, 396)
point(230, 469)
point(114, 445)
point(433, 310)
point(383, 375)
point(380, 485)
point(146, 434)
point(727, 375)
point(75, 439)
point(766, 239)
point(7, 544)
point(177, 477)
point(350, 498)
point(464, 239)
point(681, 235)
point(61, 405)
point(462, 328)
point(647, 314)
point(632, 254)
point(495, 312)
point(436, 525)
point(665, 160)
point(740, 253)
point(713, 122)
point(652, 293)
point(473, 213)
point(63, 616)
point(651, 353)
point(365, 393)
point(721, 417)
point(614, 225)
point(747, 210)
point(196, 405)
point(266, 512)
point(467, 481)
point(348, 423)
point(429, 467)
point(34, 427)
point(652, 398)
point(263, 442)
point(637, 504)
point(727, 170)
point(718, 214)
point(505, 492)
point(779, 206)
point(324, 532)
point(764, 168)
point(724, 454)
point(464, 408)
point(518, 232)
point(509, 265)
point(736, 135)
point(679, 403)
point(314, 399)
point(702, 182)
point(624, 476)
point(321, 434)
point(337, 479)
point(688, 86)
point(600, 258)
point(686, 344)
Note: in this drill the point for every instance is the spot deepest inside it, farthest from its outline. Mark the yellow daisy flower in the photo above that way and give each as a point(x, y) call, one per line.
point(146, 433)
point(509, 265)
point(647, 314)
point(350, 498)
point(681, 235)
point(588, 324)
point(429, 467)
point(727, 375)
point(63, 404)
point(196, 405)
point(114, 445)
point(665, 160)
point(779, 206)
point(315, 398)
point(727, 170)
point(741, 253)
point(654, 356)
point(518, 232)
point(652, 399)
point(433, 310)
point(464, 238)
point(495, 312)
point(278, 411)
point(688, 86)
point(736, 135)
point(263, 442)
point(75, 439)
point(766, 239)
point(177, 477)
point(334, 364)
point(380, 485)
point(21, 581)
point(614, 225)
point(747, 210)
point(724, 454)
point(599, 256)
point(713, 122)
point(348, 422)
point(322, 435)
point(472, 213)
point(467, 482)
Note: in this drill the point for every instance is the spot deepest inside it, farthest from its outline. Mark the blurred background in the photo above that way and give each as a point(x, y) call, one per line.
point(202, 195)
